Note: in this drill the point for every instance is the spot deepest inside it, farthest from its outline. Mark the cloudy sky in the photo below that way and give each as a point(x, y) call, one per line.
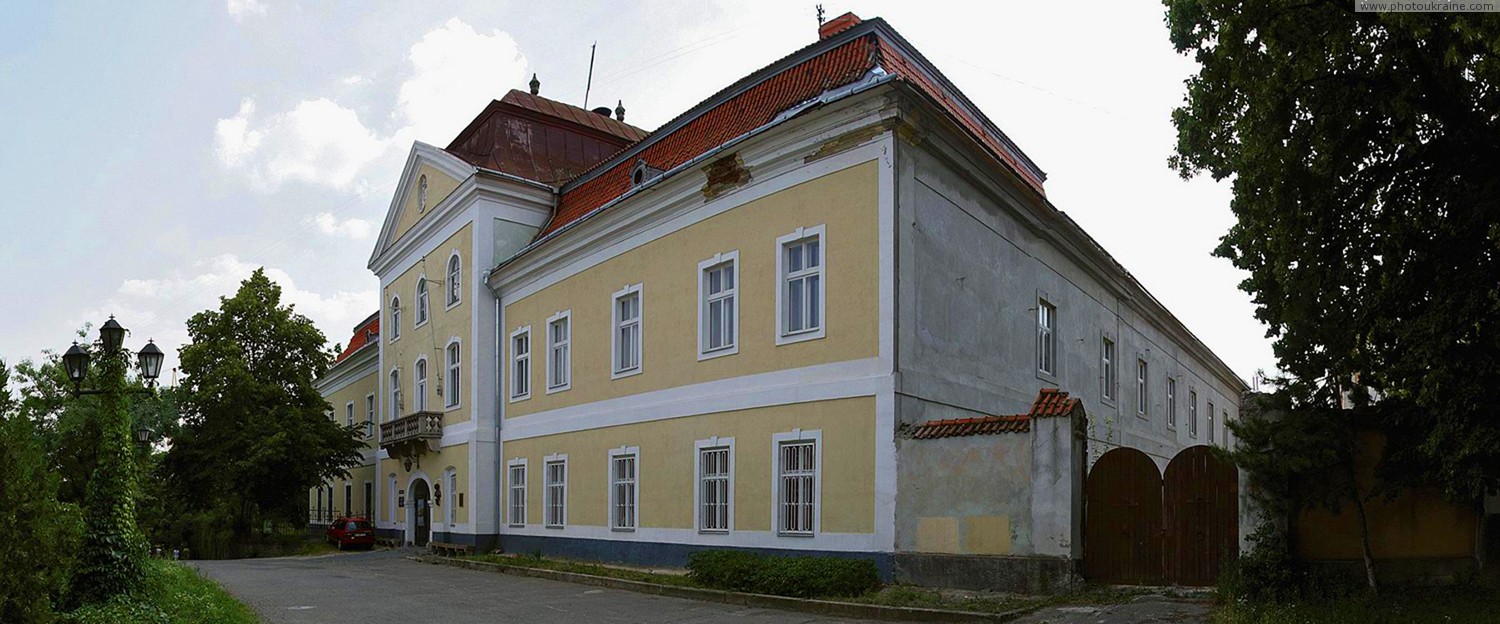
point(157, 153)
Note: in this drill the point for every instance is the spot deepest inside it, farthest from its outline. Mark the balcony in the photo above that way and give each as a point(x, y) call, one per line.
point(409, 437)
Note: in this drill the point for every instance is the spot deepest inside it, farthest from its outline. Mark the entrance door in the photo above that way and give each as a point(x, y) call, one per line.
point(1122, 520)
point(1201, 515)
point(422, 509)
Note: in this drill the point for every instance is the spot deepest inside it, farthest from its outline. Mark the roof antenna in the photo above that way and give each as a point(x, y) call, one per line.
point(590, 84)
point(820, 15)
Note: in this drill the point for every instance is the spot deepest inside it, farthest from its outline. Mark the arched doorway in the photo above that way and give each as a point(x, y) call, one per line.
point(421, 505)
point(1122, 541)
point(1201, 516)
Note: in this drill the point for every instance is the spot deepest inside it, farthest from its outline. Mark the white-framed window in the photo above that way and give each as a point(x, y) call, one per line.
point(516, 509)
point(556, 491)
point(800, 292)
point(1142, 387)
point(421, 302)
point(419, 385)
point(449, 515)
point(455, 280)
point(1224, 422)
point(797, 487)
point(370, 417)
point(623, 479)
point(560, 351)
point(625, 340)
point(1192, 412)
point(520, 364)
point(349, 413)
point(422, 194)
point(1109, 377)
point(718, 305)
point(453, 380)
point(396, 406)
point(370, 501)
point(1046, 337)
point(1171, 402)
point(395, 318)
point(714, 474)
point(1210, 428)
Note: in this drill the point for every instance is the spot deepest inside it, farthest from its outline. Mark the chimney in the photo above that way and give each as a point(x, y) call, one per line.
point(602, 111)
point(536, 85)
point(837, 25)
point(620, 111)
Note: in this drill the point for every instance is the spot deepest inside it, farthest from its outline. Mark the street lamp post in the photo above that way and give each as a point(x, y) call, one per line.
point(113, 548)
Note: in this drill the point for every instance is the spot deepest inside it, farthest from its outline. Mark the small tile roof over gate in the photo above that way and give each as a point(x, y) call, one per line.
point(1049, 402)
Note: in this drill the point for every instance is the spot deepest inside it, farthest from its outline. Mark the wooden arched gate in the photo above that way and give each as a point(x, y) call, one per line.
point(1200, 512)
point(1141, 529)
point(1122, 519)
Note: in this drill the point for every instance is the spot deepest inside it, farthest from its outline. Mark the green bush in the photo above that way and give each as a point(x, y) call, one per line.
point(168, 594)
point(797, 577)
point(37, 534)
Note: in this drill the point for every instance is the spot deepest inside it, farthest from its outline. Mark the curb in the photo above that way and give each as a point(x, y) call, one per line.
point(820, 607)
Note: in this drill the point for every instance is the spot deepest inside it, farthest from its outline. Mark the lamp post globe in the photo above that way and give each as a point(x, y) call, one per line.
point(112, 334)
point(150, 359)
point(76, 363)
point(143, 436)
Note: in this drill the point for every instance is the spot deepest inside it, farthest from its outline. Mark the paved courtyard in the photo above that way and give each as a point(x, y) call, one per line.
point(355, 587)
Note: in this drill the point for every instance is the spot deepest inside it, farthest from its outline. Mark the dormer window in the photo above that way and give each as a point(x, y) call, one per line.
point(422, 194)
point(643, 173)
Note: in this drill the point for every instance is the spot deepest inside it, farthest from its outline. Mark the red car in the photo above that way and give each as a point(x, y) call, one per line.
point(351, 531)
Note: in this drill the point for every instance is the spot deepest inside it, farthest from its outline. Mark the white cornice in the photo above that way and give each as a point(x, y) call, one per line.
point(360, 364)
point(421, 153)
point(533, 204)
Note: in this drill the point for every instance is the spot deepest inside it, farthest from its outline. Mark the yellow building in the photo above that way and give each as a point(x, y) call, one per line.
point(350, 387)
point(606, 343)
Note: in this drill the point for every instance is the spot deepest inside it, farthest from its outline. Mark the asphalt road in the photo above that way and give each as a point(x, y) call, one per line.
point(382, 586)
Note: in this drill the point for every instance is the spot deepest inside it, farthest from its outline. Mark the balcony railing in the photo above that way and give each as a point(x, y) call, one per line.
point(411, 435)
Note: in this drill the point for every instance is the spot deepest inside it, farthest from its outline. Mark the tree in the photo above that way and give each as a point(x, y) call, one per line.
point(255, 434)
point(37, 533)
point(1363, 149)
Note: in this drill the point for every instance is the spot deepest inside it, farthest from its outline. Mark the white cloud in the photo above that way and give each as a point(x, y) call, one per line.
point(318, 141)
point(158, 308)
point(239, 9)
point(347, 228)
point(455, 71)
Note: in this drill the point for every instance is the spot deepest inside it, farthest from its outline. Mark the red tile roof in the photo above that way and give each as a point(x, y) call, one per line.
point(742, 113)
point(365, 334)
point(1049, 402)
point(760, 103)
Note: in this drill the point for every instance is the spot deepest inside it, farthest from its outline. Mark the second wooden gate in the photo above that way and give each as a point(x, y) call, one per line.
point(1200, 515)
point(1122, 519)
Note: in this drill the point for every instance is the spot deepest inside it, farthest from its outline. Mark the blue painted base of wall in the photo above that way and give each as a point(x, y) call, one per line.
point(657, 553)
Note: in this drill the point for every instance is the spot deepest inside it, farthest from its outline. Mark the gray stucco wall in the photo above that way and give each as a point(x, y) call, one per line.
point(971, 267)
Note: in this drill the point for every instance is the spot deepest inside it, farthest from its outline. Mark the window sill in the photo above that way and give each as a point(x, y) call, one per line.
point(562, 388)
point(416, 326)
point(556, 526)
point(801, 336)
point(1048, 377)
point(719, 352)
point(453, 305)
point(516, 526)
point(451, 408)
point(1143, 415)
point(520, 397)
point(713, 531)
point(797, 534)
point(626, 373)
point(622, 530)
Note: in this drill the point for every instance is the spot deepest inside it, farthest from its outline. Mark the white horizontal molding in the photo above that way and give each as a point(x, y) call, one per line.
point(844, 542)
point(838, 380)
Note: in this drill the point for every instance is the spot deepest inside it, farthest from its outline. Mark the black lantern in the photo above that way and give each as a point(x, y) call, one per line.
point(143, 436)
point(150, 359)
point(76, 362)
point(112, 334)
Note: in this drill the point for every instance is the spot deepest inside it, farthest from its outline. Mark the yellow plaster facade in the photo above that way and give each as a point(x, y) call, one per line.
point(666, 462)
point(431, 339)
point(439, 186)
point(846, 202)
